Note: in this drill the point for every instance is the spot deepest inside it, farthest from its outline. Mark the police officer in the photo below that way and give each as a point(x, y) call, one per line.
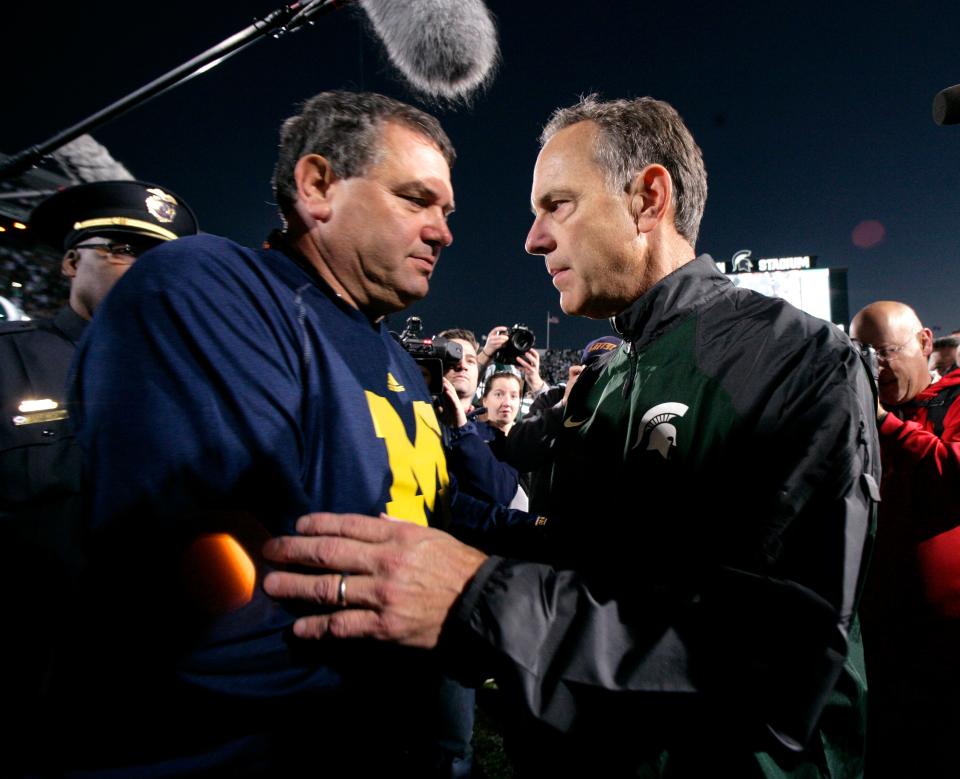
point(102, 228)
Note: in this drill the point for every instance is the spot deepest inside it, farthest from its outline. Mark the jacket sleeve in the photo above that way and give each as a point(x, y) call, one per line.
point(932, 464)
point(477, 469)
point(529, 445)
point(496, 529)
point(760, 638)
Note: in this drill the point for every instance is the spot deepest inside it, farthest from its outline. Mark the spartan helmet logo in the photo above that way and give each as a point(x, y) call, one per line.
point(741, 262)
point(656, 428)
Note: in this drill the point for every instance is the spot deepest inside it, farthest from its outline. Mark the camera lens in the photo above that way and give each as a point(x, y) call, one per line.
point(522, 340)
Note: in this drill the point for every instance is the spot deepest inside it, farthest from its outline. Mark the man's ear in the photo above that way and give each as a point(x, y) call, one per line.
point(314, 177)
point(651, 196)
point(69, 265)
point(926, 341)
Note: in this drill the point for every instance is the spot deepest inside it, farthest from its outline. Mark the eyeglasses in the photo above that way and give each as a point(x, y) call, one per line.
point(122, 253)
point(887, 353)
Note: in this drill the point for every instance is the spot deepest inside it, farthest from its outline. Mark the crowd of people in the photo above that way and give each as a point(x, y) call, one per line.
point(273, 551)
point(554, 364)
point(40, 289)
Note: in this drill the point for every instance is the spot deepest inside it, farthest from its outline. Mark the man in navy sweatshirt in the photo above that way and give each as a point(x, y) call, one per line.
point(222, 392)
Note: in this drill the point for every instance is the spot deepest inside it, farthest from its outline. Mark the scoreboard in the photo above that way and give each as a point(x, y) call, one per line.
point(821, 292)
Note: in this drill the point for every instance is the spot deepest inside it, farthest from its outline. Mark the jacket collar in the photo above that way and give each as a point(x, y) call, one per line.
point(936, 387)
point(670, 301)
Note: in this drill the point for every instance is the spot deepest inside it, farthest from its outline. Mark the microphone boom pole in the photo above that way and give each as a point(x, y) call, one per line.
point(276, 23)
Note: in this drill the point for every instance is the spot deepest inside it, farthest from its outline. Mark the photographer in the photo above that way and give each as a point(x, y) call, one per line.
point(513, 346)
point(478, 470)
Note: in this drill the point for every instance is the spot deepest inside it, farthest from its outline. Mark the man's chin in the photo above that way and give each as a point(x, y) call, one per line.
point(400, 301)
point(570, 305)
point(586, 308)
point(462, 390)
point(411, 294)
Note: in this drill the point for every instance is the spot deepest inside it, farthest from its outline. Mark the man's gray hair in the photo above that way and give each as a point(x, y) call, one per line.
point(346, 127)
point(636, 133)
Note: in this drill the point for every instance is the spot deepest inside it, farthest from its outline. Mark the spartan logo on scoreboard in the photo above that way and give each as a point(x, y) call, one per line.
point(743, 262)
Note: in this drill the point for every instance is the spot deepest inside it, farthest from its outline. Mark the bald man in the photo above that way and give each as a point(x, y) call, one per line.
point(911, 605)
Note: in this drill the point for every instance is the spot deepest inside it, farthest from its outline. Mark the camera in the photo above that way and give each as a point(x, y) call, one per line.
point(435, 356)
point(520, 340)
point(869, 356)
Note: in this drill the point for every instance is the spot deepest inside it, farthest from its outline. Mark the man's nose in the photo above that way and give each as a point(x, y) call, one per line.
point(539, 241)
point(437, 232)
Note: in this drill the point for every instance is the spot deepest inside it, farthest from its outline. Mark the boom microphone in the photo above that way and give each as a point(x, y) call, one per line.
point(444, 48)
point(84, 159)
point(946, 106)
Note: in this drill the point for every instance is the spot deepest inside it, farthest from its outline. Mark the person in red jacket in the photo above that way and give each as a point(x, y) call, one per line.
point(911, 604)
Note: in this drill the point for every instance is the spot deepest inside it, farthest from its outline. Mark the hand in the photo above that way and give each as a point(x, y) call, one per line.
point(495, 339)
point(451, 412)
point(404, 578)
point(530, 365)
point(573, 374)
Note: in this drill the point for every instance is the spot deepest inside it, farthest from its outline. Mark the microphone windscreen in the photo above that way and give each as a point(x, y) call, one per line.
point(86, 160)
point(946, 106)
point(444, 48)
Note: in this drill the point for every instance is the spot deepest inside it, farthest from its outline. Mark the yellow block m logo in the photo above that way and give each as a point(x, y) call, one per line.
point(419, 469)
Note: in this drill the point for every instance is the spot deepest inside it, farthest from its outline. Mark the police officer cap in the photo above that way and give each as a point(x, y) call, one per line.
point(122, 208)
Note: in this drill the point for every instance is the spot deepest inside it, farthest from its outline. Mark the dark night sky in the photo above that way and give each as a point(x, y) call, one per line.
point(812, 119)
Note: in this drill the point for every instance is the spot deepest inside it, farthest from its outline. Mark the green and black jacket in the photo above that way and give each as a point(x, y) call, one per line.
point(712, 498)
